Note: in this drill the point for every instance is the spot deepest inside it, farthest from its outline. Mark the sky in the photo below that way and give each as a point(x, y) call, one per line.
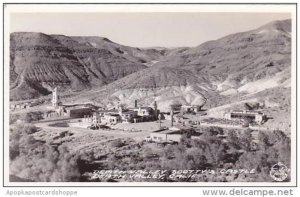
point(144, 29)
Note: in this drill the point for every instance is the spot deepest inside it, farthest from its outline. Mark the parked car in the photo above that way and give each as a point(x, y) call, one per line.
point(148, 139)
point(94, 127)
point(104, 127)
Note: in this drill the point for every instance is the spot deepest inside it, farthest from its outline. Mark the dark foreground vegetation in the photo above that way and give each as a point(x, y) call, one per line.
point(35, 160)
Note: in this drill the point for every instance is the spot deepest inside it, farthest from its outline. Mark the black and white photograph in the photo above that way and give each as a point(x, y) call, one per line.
point(150, 95)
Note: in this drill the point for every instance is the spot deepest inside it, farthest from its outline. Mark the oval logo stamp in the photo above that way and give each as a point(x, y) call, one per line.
point(279, 172)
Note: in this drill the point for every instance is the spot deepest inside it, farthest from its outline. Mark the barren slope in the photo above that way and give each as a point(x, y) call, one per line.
point(39, 62)
point(244, 64)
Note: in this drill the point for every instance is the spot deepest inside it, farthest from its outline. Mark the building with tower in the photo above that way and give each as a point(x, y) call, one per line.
point(122, 115)
point(71, 111)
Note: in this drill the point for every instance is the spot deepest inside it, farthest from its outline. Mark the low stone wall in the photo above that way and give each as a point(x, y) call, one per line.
point(221, 125)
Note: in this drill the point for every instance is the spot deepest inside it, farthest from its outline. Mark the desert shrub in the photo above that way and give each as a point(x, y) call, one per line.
point(13, 118)
point(24, 129)
point(213, 131)
point(117, 143)
point(168, 152)
point(112, 162)
point(264, 140)
point(195, 159)
point(14, 138)
point(277, 136)
point(31, 116)
point(146, 152)
point(26, 117)
point(245, 140)
point(232, 139)
point(185, 140)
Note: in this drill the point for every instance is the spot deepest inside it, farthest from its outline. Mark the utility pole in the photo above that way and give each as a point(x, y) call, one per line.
point(155, 110)
point(172, 118)
point(135, 104)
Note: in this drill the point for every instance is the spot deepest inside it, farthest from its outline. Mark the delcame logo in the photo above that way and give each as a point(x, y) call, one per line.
point(279, 172)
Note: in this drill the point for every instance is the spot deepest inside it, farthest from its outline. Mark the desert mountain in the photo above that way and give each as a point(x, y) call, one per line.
point(241, 58)
point(39, 62)
point(244, 64)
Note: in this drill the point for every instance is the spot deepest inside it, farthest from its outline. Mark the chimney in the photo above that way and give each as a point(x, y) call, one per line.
point(135, 103)
point(120, 109)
